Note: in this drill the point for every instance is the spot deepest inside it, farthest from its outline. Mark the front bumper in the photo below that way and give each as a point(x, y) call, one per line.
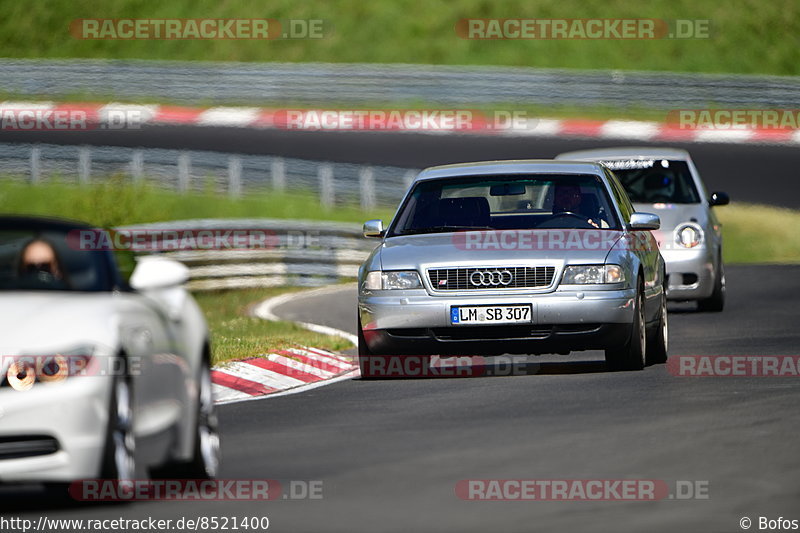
point(690, 273)
point(413, 322)
point(74, 413)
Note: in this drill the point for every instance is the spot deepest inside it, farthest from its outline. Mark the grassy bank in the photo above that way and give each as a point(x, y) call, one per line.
point(236, 334)
point(747, 36)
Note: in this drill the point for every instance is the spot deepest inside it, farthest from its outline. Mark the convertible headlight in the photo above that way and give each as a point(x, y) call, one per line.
point(688, 235)
point(593, 274)
point(26, 370)
point(393, 279)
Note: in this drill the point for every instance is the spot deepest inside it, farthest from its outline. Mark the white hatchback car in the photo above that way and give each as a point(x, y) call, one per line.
point(665, 181)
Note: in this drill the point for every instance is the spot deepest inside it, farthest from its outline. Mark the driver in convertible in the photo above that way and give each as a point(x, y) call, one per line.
point(39, 262)
point(568, 199)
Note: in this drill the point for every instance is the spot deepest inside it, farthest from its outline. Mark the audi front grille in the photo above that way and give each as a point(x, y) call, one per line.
point(469, 279)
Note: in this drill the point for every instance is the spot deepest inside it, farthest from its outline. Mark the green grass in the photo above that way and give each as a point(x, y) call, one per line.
point(760, 234)
point(236, 335)
point(747, 36)
point(116, 202)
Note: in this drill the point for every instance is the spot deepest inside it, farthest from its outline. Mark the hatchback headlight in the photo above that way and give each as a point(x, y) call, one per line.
point(392, 279)
point(688, 235)
point(593, 274)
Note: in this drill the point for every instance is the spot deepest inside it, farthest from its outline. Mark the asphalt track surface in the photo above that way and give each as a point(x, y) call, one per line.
point(750, 172)
point(390, 452)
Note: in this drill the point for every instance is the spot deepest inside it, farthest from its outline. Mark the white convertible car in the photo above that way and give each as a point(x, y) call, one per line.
point(99, 379)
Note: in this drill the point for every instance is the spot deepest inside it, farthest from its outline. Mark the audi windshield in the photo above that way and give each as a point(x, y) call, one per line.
point(652, 181)
point(506, 202)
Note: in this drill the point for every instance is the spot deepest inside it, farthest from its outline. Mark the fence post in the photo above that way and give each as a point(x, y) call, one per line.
point(366, 185)
point(36, 155)
point(183, 172)
point(137, 166)
point(234, 176)
point(278, 171)
point(326, 192)
point(84, 165)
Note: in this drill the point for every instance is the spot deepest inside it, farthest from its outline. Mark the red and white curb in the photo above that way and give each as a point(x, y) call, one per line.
point(289, 371)
point(131, 115)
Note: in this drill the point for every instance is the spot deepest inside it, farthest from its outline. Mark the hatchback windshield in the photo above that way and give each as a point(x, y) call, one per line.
point(506, 202)
point(652, 181)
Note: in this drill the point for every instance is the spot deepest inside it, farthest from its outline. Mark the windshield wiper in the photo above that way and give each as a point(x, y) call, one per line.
point(441, 229)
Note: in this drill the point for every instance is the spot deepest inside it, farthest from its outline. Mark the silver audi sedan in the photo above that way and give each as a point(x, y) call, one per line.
point(665, 181)
point(520, 257)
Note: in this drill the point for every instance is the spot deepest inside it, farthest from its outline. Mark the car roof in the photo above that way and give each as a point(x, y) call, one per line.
point(627, 152)
point(514, 166)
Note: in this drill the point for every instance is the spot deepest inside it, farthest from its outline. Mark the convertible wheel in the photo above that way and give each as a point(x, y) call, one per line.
point(205, 461)
point(658, 345)
point(119, 463)
point(716, 302)
point(632, 354)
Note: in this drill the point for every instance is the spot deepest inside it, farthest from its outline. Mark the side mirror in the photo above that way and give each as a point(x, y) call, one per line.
point(152, 273)
point(719, 198)
point(645, 221)
point(374, 228)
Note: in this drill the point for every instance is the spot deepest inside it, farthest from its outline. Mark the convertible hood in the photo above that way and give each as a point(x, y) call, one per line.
point(38, 323)
point(490, 248)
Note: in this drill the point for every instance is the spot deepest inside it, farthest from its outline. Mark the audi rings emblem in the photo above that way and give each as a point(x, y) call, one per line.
point(491, 278)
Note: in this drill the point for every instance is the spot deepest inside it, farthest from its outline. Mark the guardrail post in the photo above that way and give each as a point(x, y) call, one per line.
point(183, 172)
point(234, 176)
point(278, 172)
point(36, 172)
point(366, 183)
point(84, 165)
point(326, 192)
point(137, 166)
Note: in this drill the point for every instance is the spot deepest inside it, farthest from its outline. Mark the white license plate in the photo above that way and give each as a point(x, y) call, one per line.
point(491, 314)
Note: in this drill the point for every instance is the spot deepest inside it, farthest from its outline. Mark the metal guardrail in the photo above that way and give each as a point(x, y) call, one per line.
point(303, 253)
point(368, 186)
point(368, 84)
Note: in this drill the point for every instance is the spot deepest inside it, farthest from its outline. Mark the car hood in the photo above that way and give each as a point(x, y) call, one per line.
point(45, 322)
point(494, 248)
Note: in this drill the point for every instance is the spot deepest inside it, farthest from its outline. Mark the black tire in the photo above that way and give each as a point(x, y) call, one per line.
point(716, 302)
point(658, 344)
point(364, 354)
point(119, 455)
point(205, 460)
point(632, 354)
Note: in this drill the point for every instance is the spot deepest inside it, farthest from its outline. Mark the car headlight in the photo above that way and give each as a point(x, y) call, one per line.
point(26, 370)
point(592, 274)
point(392, 279)
point(688, 235)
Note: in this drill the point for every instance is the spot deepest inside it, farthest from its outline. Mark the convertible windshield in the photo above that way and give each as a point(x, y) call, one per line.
point(42, 259)
point(506, 202)
point(651, 181)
